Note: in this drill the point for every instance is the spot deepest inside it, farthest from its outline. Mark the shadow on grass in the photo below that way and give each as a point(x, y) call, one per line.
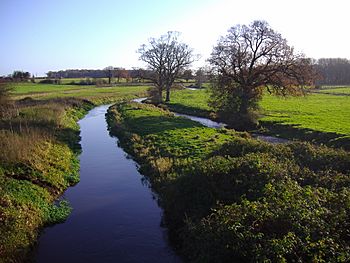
point(304, 134)
point(180, 108)
point(157, 124)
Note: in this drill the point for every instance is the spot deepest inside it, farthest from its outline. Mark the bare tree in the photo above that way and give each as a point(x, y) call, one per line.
point(201, 77)
point(333, 71)
point(109, 73)
point(249, 58)
point(166, 57)
point(187, 74)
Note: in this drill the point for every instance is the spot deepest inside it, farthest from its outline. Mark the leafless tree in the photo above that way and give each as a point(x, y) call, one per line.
point(333, 71)
point(187, 74)
point(109, 73)
point(201, 77)
point(166, 57)
point(249, 58)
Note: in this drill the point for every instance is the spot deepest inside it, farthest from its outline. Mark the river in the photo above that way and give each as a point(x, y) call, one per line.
point(115, 217)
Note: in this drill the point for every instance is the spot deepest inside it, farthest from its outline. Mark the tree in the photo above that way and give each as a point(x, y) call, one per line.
point(20, 75)
point(200, 77)
point(166, 57)
point(109, 73)
point(333, 71)
point(249, 58)
point(187, 74)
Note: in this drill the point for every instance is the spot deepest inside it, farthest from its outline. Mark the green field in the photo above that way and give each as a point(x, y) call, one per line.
point(32, 88)
point(95, 94)
point(319, 112)
point(193, 102)
point(336, 90)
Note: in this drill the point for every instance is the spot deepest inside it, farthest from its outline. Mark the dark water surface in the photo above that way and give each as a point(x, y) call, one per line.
point(114, 218)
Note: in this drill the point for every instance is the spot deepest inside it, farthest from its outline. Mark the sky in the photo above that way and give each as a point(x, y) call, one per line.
point(43, 35)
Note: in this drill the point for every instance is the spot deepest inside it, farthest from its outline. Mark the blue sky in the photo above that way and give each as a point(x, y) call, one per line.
point(38, 36)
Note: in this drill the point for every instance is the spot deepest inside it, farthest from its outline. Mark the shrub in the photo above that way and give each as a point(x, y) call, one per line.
point(290, 224)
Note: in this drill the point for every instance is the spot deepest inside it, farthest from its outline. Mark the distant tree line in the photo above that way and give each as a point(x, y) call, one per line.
point(112, 72)
point(333, 71)
point(108, 72)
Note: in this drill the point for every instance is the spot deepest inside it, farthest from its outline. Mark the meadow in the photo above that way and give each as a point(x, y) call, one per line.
point(228, 197)
point(319, 112)
point(39, 140)
point(92, 93)
point(334, 89)
point(313, 117)
point(193, 102)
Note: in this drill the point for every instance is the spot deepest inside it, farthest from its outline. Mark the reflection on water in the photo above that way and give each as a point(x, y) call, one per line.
point(115, 217)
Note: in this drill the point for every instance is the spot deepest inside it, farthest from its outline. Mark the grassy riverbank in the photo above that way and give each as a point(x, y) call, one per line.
point(320, 118)
point(227, 197)
point(39, 140)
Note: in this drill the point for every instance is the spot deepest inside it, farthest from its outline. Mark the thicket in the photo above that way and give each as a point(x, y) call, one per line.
point(230, 198)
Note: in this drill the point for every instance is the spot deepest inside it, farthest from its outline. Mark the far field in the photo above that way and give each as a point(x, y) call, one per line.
point(93, 93)
point(337, 90)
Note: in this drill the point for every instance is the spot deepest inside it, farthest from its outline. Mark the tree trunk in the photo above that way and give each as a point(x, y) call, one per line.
point(160, 95)
point(167, 97)
point(244, 107)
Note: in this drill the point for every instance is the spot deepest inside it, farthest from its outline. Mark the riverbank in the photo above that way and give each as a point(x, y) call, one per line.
point(229, 197)
point(40, 145)
point(39, 140)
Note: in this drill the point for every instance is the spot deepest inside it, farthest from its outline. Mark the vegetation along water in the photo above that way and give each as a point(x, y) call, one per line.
point(115, 217)
point(39, 140)
point(228, 197)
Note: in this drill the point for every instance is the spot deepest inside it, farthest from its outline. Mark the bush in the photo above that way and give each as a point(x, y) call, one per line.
point(290, 224)
point(50, 81)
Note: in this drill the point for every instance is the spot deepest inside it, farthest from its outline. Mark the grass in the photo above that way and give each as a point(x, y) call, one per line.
point(32, 88)
point(39, 141)
point(166, 136)
point(335, 90)
point(97, 95)
point(227, 197)
point(319, 112)
point(317, 117)
point(173, 136)
point(193, 102)
point(37, 165)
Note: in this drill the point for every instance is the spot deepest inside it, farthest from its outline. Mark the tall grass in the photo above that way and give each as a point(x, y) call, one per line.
point(36, 165)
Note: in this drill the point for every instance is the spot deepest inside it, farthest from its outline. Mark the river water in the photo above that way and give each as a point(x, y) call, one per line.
point(115, 217)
